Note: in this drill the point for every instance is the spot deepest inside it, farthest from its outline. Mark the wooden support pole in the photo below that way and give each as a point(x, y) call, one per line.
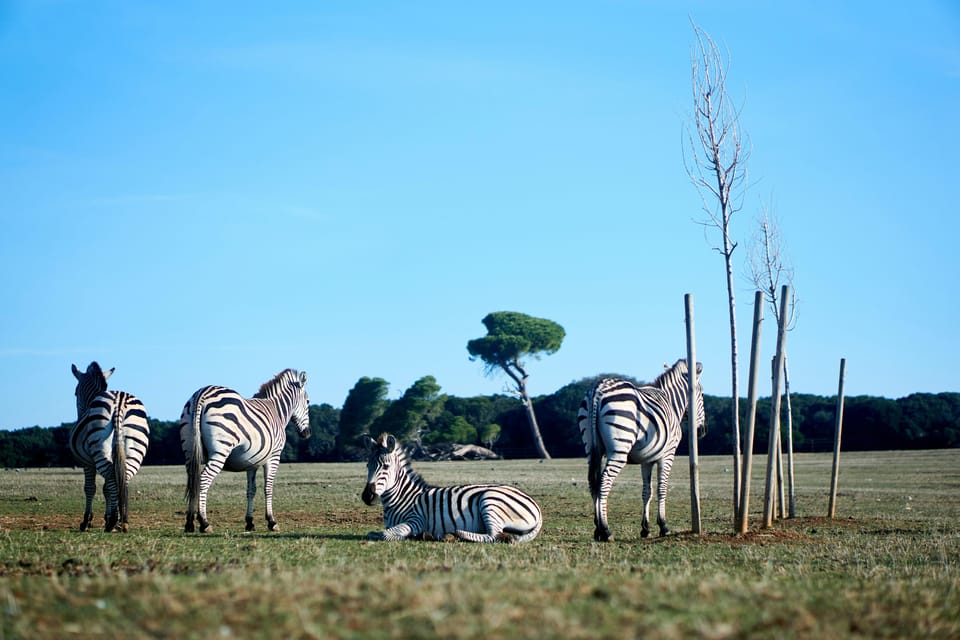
point(692, 417)
point(742, 516)
point(774, 441)
point(835, 475)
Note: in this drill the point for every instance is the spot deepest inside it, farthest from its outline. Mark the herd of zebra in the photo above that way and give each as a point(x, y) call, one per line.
point(620, 423)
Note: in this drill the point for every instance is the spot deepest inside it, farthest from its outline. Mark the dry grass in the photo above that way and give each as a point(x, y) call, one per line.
point(888, 566)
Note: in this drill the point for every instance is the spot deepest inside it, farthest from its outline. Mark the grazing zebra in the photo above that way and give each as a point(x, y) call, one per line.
point(630, 424)
point(219, 429)
point(414, 509)
point(110, 437)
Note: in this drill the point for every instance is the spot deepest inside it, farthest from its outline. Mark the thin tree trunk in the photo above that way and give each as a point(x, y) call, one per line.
point(734, 380)
point(792, 510)
point(520, 378)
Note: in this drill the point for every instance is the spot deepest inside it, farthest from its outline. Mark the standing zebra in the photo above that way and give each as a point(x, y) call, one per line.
point(219, 429)
point(630, 424)
point(414, 509)
point(110, 437)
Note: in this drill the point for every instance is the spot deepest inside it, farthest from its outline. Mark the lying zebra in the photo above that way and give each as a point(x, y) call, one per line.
point(412, 508)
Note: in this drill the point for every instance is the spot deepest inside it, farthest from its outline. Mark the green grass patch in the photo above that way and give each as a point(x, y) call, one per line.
point(887, 567)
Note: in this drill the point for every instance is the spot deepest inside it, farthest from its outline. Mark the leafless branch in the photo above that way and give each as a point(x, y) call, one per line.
point(715, 152)
point(768, 264)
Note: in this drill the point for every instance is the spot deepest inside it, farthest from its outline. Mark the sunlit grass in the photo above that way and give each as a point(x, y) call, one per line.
point(887, 566)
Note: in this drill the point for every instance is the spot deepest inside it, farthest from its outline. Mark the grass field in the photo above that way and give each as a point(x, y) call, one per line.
point(888, 566)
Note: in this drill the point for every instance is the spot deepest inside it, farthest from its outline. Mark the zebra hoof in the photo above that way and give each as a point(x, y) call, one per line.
point(205, 527)
point(664, 531)
point(645, 533)
point(273, 526)
point(376, 535)
point(602, 535)
point(250, 526)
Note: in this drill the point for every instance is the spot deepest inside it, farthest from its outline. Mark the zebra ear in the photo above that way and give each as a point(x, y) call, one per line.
point(699, 368)
point(391, 443)
point(76, 372)
point(367, 440)
point(108, 372)
point(303, 378)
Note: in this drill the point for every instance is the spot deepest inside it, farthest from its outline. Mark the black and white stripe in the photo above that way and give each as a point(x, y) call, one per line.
point(629, 424)
point(412, 508)
point(110, 437)
point(221, 430)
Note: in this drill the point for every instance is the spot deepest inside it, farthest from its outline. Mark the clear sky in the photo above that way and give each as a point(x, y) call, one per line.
point(206, 193)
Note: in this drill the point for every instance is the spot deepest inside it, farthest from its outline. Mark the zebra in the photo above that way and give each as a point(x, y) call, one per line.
point(414, 509)
point(219, 429)
point(110, 437)
point(630, 424)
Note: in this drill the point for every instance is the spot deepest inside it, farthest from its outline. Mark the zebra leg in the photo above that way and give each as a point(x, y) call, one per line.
point(110, 495)
point(402, 531)
point(89, 490)
point(646, 470)
point(269, 473)
point(610, 471)
point(663, 477)
point(210, 471)
point(251, 493)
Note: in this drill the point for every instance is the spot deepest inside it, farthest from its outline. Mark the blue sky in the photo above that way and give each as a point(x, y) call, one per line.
point(198, 194)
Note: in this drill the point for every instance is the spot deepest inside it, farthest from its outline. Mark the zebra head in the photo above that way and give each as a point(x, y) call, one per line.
point(301, 404)
point(383, 466)
point(701, 414)
point(674, 382)
point(90, 384)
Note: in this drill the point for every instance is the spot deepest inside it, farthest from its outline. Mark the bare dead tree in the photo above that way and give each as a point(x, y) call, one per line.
point(715, 155)
point(769, 270)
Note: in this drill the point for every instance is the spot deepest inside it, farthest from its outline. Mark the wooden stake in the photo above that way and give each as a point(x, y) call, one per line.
point(774, 441)
point(836, 442)
point(692, 417)
point(742, 515)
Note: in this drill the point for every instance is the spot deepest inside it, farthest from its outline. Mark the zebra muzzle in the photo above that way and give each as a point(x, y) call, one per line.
point(369, 495)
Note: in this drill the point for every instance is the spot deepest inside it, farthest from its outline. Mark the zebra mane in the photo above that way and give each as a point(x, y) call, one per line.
point(267, 387)
point(669, 373)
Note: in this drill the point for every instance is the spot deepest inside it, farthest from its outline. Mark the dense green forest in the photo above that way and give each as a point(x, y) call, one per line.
point(424, 414)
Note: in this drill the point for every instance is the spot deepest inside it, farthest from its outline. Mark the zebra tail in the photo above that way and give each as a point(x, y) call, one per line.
point(515, 534)
point(195, 460)
point(594, 453)
point(120, 459)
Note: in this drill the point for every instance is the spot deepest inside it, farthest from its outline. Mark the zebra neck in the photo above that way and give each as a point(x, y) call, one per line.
point(676, 390)
point(282, 406)
point(403, 494)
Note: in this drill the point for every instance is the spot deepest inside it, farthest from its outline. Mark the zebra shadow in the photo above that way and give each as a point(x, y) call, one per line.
point(267, 535)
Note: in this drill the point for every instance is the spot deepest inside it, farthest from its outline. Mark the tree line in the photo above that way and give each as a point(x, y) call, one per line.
point(425, 415)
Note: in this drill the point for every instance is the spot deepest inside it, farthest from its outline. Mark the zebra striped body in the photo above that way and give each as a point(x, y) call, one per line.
point(414, 509)
point(622, 423)
point(110, 437)
point(219, 429)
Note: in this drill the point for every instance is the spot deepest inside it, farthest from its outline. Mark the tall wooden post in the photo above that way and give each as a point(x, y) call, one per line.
point(742, 516)
point(774, 441)
point(692, 417)
point(834, 476)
